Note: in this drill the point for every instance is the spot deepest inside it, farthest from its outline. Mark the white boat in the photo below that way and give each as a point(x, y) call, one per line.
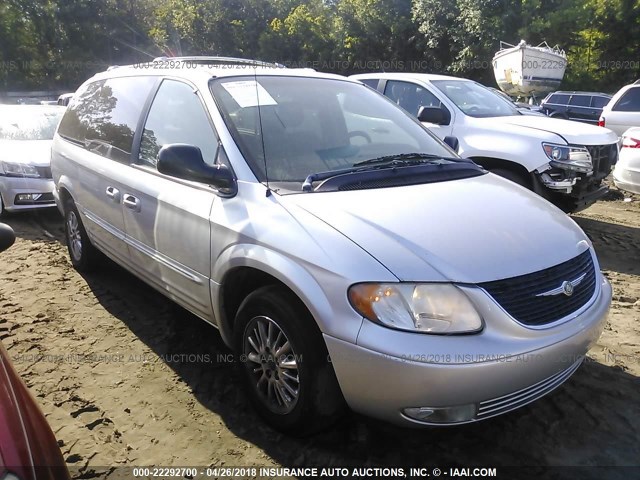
point(526, 71)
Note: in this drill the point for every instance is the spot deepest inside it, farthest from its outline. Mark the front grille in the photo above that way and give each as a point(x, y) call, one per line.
point(603, 158)
point(497, 406)
point(519, 295)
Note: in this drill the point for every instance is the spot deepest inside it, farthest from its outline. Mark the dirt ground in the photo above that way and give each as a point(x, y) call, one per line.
point(127, 378)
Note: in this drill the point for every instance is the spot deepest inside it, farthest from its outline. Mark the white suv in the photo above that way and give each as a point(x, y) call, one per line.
point(343, 251)
point(563, 161)
point(623, 110)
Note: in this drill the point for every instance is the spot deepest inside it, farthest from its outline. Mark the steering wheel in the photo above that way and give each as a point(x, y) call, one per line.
point(473, 109)
point(360, 133)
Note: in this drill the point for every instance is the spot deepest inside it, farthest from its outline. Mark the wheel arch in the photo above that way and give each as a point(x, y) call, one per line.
point(65, 196)
point(492, 163)
point(241, 273)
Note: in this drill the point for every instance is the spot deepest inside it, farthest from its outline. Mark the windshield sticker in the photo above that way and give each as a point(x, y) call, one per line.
point(249, 93)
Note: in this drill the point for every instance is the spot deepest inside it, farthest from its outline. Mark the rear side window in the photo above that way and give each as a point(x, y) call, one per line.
point(580, 101)
point(599, 102)
point(559, 99)
point(103, 117)
point(629, 102)
point(177, 116)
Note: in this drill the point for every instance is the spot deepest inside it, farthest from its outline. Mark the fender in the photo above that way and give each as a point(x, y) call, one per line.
point(504, 146)
point(297, 278)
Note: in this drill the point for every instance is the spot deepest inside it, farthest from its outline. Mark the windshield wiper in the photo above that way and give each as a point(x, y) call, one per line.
point(403, 159)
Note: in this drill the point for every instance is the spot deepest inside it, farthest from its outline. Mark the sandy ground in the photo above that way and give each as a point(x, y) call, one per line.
point(127, 378)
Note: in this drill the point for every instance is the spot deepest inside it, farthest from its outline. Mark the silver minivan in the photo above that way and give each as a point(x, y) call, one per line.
point(347, 255)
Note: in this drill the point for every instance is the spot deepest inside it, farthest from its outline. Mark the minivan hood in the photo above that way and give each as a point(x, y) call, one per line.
point(575, 133)
point(31, 152)
point(470, 230)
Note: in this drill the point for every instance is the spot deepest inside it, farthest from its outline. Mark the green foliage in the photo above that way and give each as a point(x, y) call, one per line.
point(59, 43)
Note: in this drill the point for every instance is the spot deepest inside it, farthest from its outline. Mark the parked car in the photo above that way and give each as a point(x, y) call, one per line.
point(64, 99)
point(343, 251)
point(28, 449)
point(580, 106)
point(523, 108)
point(623, 110)
point(626, 175)
point(563, 161)
point(25, 154)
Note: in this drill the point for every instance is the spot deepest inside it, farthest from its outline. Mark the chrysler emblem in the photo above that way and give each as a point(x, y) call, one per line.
point(566, 287)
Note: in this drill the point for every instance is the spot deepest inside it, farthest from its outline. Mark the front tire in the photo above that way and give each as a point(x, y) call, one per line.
point(84, 256)
point(284, 363)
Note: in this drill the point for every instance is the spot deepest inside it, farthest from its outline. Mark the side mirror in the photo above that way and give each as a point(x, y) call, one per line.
point(7, 237)
point(452, 142)
point(435, 115)
point(185, 161)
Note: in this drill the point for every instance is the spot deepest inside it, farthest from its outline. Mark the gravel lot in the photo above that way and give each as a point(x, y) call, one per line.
point(127, 378)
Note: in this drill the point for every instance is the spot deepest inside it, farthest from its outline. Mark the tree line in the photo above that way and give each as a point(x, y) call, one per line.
point(46, 44)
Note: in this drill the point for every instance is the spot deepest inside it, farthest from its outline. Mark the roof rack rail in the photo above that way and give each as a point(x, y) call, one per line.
point(204, 60)
point(637, 82)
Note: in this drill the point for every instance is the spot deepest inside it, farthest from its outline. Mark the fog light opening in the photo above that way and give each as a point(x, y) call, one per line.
point(442, 415)
point(28, 197)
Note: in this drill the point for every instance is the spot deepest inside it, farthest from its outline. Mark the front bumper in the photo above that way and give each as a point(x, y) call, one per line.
point(12, 187)
point(504, 367)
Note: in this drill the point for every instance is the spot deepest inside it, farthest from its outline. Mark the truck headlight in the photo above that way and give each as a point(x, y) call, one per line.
point(568, 157)
point(11, 169)
point(439, 308)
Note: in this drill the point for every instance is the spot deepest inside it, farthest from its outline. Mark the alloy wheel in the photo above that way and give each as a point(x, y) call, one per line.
point(73, 236)
point(272, 363)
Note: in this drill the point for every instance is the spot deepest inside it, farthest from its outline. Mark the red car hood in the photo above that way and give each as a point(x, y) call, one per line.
point(28, 448)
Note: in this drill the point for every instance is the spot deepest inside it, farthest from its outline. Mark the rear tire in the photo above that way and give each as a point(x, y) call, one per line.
point(284, 363)
point(84, 256)
point(515, 177)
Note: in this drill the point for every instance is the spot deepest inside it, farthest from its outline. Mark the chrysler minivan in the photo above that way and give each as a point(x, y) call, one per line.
point(346, 254)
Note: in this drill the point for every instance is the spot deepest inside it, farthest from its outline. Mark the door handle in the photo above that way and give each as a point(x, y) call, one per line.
point(131, 202)
point(113, 193)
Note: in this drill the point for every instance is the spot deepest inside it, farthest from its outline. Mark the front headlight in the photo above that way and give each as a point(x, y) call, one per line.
point(568, 157)
point(424, 307)
point(19, 170)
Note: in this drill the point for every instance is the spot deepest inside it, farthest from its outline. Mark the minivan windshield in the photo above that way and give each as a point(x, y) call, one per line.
point(308, 126)
point(474, 99)
point(28, 123)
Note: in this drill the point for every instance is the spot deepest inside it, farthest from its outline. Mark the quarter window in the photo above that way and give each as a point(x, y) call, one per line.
point(370, 82)
point(599, 102)
point(177, 116)
point(629, 102)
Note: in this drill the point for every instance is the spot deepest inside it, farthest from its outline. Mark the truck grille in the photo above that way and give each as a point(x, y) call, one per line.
point(538, 299)
point(603, 157)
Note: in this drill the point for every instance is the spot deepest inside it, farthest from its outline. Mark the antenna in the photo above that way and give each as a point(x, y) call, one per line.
point(264, 151)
